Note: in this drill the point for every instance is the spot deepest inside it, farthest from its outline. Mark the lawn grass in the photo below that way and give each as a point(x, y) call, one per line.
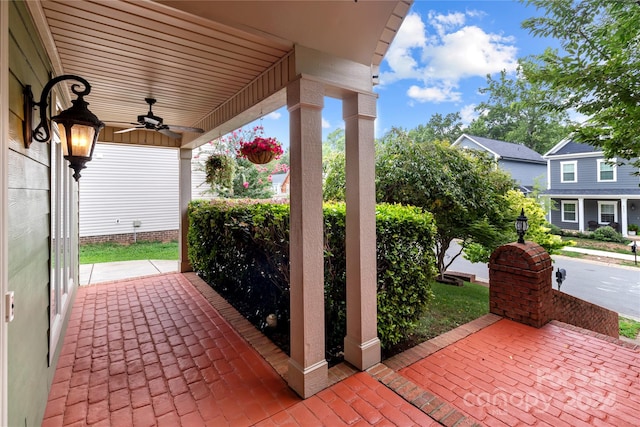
point(622, 248)
point(110, 252)
point(629, 328)
point(451, 307)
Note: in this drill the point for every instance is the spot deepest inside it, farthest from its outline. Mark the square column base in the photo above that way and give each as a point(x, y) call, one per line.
point(362, 356)
point(309, 381)
point(185, 267)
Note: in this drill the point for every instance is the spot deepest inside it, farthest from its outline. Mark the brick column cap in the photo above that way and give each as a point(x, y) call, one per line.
point(529, 256)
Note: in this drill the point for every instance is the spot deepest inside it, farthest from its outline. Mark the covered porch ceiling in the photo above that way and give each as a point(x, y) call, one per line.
point(196, 56)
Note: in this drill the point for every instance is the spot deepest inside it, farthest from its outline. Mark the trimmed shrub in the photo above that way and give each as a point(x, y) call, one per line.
point(241, 248)
point(607, 234)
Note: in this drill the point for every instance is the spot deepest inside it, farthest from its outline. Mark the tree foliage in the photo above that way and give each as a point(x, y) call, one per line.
point(596, 71)
point(438, 128)
point(539, 228)
point(515, 112)
point(464, 191)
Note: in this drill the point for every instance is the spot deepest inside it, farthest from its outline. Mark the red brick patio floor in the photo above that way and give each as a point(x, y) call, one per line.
point(166, 350)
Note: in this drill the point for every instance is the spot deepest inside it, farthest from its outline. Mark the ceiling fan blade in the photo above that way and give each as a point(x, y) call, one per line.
point(170, 134)
point(122, 124)
point(186, 129)
point(128, 130)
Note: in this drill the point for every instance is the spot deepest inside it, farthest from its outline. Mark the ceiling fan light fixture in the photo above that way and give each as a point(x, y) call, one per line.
point(156, 123)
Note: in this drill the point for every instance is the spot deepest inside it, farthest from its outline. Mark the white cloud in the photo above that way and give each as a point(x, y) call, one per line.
point(275, 115)
point(325, 123)
point(411, 35)
point(442, 23)
point(468, 114)
point(433, 94)
point(443, 50)
point(470, 52)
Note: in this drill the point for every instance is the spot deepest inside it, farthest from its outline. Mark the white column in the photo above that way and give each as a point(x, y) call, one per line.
point(308, 369)
point(581, 214)
point(184, 199)
point(361, 345)
point(624, 220)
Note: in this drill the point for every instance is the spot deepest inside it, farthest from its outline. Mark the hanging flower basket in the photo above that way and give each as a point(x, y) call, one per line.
point(261, 157)
point(260, 150)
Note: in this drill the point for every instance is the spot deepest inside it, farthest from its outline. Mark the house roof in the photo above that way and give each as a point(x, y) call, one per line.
point(567, 147)
point(278, 178)
point(213, 65)
point(504, 150)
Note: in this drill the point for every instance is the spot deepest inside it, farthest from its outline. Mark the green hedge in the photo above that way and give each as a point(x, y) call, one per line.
point(241, 248)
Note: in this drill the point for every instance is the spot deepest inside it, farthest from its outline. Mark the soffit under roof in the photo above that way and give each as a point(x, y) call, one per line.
point(192, 56)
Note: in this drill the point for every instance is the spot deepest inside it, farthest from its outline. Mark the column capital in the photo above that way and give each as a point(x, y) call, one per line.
point(360, 105)
point(305, 92)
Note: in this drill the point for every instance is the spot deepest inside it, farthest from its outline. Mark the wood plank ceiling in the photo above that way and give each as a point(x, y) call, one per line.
point(192, 56)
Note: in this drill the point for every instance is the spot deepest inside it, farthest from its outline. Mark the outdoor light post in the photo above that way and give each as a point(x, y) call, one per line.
point(634, 249)
point(522, 225)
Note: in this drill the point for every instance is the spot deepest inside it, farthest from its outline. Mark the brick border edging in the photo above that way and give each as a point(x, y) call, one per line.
point(435, 407)
point(432, 405)
point(607, 338)
point(429, 347)
point(270, 352)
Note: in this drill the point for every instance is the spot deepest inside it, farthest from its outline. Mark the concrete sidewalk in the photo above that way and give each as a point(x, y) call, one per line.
point(90, 274)
point(628, 257)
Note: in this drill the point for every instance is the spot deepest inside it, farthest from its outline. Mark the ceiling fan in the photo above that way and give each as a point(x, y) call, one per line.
point(151, 122)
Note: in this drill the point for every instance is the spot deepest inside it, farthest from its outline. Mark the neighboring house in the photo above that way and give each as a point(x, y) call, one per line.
point(526, 166)
point(589, 190)
point(280, 185)
point(124, 200)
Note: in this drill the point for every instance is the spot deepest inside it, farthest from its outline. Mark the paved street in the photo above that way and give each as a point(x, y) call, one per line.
point(611, 286)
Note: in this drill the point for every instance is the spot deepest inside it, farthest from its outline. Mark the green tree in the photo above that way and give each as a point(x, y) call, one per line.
point(515, 112)
point(464, 191)
point(251, 181)
point(539, 229)
point(439, 128)
point(596, 70)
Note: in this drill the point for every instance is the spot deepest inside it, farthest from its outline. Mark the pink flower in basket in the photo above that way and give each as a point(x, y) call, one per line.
point(260, 145)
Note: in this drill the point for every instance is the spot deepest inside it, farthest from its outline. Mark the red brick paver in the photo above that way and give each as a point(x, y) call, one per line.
point(152, 351)
point(512, 374)
point(155, 352)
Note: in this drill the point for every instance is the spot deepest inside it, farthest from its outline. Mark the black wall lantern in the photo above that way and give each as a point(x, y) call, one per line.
point(79, 127)
point(522, 225)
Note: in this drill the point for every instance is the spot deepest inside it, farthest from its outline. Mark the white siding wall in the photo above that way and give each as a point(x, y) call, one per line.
point(126, 183)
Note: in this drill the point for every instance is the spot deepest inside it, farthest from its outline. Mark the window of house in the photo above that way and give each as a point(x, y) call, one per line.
point(606, 170)
point(569, 171)
point(607, 212)
point(62, 248)
point(569, 211)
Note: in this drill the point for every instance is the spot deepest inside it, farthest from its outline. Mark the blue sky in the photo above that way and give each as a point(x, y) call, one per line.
point(437, 62)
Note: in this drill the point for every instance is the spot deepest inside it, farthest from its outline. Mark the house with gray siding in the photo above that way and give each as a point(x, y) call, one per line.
point(590, 190)
point(526, 166)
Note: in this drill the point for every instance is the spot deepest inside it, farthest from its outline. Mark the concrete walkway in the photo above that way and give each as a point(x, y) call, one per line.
point(90, 274)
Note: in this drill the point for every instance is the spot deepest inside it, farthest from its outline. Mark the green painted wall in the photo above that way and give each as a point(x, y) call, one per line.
point(30, 375)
